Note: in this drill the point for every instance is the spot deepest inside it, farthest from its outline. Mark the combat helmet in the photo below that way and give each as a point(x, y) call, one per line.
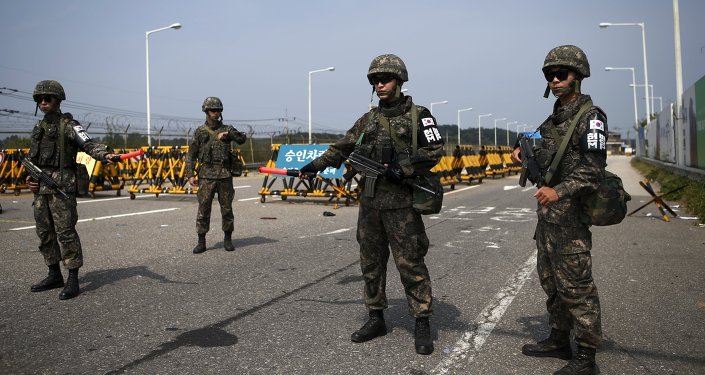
point(211, 103)
point(568, 56)
point(389, 64)
point(49, 87)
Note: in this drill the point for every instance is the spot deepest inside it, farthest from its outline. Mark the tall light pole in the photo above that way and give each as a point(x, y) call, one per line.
point(660, 102)
point(432, 104)
point(636, 116)
point(510, 123)
point(461, 110)
point(495, 128)
point(646, 71)
point(479, 129)
point(174, 26)
point(329, 69)
point(651, 89)
point(680, 160)
point(520, 126)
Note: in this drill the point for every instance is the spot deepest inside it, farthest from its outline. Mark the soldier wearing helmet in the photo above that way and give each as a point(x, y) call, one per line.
point(56, 139)
point(211, 158)
point(387, 218)
point(563, 236)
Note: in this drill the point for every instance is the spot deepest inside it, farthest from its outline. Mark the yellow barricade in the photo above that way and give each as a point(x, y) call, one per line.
point(492, 162)
point(466, 164)
point(335, 189)
point(11, 169)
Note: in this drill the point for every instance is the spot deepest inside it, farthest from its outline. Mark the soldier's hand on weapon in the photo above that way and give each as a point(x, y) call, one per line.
point(32, 184)
point(546, 195)
point(193, 181)
point(222, 135)
point(394, 174)
point(308, 171)
point(109, 158)
point(516, 155)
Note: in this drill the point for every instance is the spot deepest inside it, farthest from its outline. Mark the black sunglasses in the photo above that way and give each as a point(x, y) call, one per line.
point(561, 74)
point(43, 98)
point(382, 78)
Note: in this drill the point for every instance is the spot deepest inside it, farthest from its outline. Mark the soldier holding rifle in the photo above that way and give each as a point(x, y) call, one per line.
point(386, 218)
point(56, 139)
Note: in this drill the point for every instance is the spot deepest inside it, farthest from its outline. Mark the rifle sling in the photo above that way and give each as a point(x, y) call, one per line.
point(414, 127)
point(564, 142)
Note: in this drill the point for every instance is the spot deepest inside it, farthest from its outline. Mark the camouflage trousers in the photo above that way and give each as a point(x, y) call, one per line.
point(56, 220)
point(564, 267)
point(402, 230)
point(206, 191)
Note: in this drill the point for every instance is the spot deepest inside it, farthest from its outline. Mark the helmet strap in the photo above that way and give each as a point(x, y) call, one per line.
point(372, 94)
point(36, 108)
point(548, 90)
point(397, 92)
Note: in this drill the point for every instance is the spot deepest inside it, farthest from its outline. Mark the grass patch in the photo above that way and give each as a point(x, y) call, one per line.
point(692, 197)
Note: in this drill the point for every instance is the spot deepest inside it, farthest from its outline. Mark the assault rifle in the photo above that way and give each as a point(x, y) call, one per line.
point(373, 169)
point(41, 176)
point(532, 168)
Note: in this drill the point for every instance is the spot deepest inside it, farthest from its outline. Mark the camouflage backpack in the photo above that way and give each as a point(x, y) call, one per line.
point(607, 205)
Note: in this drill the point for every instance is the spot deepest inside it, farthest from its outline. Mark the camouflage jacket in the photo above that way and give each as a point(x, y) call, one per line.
point(583, 164)
point(45, 149)
point(429, 151)
point(214, 156)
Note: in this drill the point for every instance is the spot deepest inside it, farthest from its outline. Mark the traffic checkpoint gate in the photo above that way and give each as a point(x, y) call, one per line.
point(328, 184)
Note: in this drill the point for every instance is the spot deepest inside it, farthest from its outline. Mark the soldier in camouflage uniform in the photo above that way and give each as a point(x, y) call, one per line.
point(563, 236)
point(211, 148)
point(386, 217)
point(56, 140)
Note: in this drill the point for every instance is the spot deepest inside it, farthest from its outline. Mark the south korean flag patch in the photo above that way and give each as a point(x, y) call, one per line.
point(595, 137)
point(428, 121)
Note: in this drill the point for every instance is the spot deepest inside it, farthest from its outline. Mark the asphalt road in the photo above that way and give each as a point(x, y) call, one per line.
point(286, 301)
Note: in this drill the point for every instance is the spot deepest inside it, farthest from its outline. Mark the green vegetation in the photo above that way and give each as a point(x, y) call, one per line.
point(692, 197)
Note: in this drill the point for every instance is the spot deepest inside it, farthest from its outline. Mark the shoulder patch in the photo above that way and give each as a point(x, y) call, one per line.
point(597, 125)
point(428, 121)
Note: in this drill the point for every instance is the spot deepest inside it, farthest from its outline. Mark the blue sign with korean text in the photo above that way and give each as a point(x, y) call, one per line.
point(296, 156)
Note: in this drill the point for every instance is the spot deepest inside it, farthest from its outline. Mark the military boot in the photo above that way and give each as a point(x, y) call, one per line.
point(228, 242)
point(374, 327)
point(52, 281)
point(583, 363)
point(201, 246)
point(71, 289)
point(556, 345)
point(422, 336)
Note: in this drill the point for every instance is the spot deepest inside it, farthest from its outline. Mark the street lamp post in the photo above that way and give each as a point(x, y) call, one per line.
point(510, 123)
point(329, 69)
point(432, 104)
point(479, 129)
point(636, 116)
point(461, 110)
point(495, 128)
point(174, 26)
point(651, 96)
point(646, 72)
point(660, 102)
point(520, 126)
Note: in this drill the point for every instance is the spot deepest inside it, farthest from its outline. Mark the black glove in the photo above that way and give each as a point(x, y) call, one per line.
point(394, 174)
point(309, 170)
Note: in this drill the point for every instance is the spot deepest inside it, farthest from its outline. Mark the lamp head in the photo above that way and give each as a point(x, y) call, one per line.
point(175, 26)
point(605, 25)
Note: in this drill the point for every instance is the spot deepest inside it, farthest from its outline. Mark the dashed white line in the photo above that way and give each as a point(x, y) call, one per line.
point(471, 342)
point(111, 216)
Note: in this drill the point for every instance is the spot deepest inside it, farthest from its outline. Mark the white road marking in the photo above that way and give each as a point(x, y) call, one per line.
point(511, 187)
point(247, 199)
point(471, 342)
point(112, 216)
point(459, 190)
point(343, 230)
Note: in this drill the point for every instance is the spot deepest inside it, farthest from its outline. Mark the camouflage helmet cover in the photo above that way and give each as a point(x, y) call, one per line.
point(388, 64)
point(49, 87)
point(212, 102)
point(568, 56)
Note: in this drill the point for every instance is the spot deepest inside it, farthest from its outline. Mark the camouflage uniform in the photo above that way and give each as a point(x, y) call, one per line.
point(563, 237)
point(56, 217)
point(214, 173)
point(387, 219)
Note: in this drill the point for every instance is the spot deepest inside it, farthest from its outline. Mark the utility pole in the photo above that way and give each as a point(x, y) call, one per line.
point(286, 119)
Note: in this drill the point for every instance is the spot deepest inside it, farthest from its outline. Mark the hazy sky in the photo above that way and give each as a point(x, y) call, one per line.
point(256, 55)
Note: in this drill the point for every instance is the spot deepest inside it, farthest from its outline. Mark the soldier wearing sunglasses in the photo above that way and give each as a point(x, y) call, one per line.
point(563, 236)
point(387, 219)
point(56, 139)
